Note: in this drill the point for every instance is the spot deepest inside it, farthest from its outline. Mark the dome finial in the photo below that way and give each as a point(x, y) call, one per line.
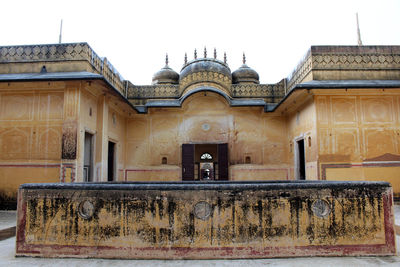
point(215, 53)
point(205, 52)
point(185, 58)
point(244, 58)
point(166, 59)
point(225, 57)
point(195, 53)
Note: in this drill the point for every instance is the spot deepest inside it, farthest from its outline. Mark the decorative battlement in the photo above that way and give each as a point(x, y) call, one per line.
point(63, 52)
point(345, 63)
point(153, 91)
point(320, 63)
point(259, 90)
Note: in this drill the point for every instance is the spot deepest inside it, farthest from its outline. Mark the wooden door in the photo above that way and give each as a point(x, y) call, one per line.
point(222, 161)
point(187, 162)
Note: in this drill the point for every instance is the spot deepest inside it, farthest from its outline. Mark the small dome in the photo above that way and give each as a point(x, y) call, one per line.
point(205, 70)
point(166, 75)
point(204, 65)
point(245, 74)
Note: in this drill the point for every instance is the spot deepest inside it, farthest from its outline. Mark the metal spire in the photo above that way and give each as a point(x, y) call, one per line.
point(358, 32)
point(215, 53)
point(60, 37)
point(195, 53)
point(205, 52)
point(166, 59)
point(185, 58)
point(244, 58)
point(225, 57)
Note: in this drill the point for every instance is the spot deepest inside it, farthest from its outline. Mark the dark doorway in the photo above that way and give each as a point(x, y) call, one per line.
point(187, 162)
point(204, 162)
point(111, 161)
point(88, 158)
point(301, 160)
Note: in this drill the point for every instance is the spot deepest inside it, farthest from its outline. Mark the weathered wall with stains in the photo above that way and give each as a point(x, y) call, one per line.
point(192, 220)
point(206, 118)
point(359, 136)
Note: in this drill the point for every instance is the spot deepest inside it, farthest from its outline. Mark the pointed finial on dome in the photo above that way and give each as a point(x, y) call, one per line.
point(195, 53)
point(166, 59)
point(215, 53)
point(244, 58)
point(205, 52)
point(225, 57)
point(185, 58)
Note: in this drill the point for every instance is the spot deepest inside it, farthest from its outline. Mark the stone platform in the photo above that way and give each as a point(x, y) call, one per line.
point(194, 220)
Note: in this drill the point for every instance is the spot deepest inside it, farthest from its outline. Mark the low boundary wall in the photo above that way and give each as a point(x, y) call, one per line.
point(196, 220)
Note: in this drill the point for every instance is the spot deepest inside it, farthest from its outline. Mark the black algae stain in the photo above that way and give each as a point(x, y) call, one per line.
point(310, 227)
point(334, 230)
point(160, 208)
point(171, 213)
point(32, 207)
point(44, 210)
point(152, 208)
point(191, 229)
point(295, 209)
point(164, 235)
point(171, 219)
point(110, 231)
point(258, 209)
point(76, 226)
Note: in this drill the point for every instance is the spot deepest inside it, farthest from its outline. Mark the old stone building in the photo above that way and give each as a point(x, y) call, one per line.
point(66, 115)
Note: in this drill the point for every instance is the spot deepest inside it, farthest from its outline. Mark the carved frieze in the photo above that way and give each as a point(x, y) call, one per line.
point(258, 90)
point(153, 91)
point(205, 76)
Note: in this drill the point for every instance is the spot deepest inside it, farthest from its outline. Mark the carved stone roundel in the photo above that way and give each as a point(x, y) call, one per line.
point(86, 209)
point(202, 210)
point(321, 208)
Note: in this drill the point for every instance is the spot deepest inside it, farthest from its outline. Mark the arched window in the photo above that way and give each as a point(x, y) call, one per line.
point(206, 156)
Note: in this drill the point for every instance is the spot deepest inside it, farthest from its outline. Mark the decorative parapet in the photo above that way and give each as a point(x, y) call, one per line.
point(153, 91)
point(300, 72)
point(358, 61)
point(259, 90)
point(205, 76)
point(347, 58)
point(63, 52)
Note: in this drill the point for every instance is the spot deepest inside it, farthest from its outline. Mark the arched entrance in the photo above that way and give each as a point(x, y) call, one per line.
point(204, 162)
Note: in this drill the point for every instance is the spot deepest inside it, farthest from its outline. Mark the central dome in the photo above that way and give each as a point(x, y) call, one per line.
point(205, 70)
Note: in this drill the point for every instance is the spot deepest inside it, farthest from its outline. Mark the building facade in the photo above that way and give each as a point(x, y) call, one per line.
point(66, 115)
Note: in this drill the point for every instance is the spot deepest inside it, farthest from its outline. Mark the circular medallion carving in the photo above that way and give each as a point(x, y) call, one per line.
point(202, 210)
point(205, 126)
point(86, 209)
point(321, 208)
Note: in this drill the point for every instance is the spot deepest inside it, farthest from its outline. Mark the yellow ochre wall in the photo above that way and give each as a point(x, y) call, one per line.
point(102, 116)
point(301, 125)
point(348, 134)
point(248, 132)
point(31, 120)
point(33, 117)
point(359, 135)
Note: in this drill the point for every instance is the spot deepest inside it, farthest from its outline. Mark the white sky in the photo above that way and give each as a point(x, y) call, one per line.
point(135, 35)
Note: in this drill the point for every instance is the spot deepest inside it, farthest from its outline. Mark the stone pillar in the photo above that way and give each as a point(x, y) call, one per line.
point(102, 140)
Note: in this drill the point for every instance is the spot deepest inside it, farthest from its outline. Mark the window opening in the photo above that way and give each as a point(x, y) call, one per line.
point(206, 156)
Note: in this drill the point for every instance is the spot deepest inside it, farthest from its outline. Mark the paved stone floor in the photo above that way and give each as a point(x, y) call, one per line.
point(7, 250)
